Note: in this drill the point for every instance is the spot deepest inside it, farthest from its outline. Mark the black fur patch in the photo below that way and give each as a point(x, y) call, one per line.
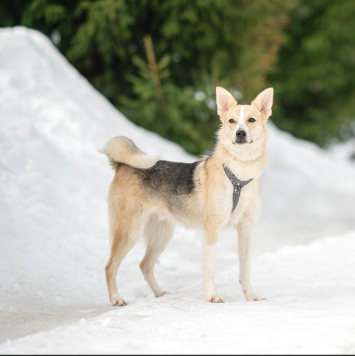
point(170, 178)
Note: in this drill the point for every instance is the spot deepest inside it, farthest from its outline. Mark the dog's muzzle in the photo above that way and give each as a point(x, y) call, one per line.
point(241, 136)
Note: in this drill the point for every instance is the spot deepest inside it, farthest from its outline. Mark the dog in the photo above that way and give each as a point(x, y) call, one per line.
point(150, 197)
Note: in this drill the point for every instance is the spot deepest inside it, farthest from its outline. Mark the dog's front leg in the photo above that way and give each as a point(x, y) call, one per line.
point(246, 229)
point(209, 258)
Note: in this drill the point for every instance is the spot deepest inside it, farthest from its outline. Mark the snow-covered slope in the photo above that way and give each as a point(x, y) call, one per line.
point(53, 223)
point(53, 180)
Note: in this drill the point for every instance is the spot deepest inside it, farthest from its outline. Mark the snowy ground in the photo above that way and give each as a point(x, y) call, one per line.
point(310, 309)
point(54, 238)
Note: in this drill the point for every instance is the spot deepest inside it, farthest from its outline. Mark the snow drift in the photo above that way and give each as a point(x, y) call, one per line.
point(53, 179)
point(54, 182)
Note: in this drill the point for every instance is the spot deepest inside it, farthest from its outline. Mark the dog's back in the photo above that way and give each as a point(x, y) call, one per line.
point(165, 183)
point(168, 180)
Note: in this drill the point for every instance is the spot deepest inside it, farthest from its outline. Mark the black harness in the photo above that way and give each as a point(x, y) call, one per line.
point(238, 185)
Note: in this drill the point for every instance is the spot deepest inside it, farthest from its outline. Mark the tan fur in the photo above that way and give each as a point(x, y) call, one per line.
point(134, 211)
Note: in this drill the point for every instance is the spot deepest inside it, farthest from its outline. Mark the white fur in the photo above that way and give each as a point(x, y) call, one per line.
point(246, 227)
point(123, 150)
point(209, 261)
point(241, 122)
point(241, 125)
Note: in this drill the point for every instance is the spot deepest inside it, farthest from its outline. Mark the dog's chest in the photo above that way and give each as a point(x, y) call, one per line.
point(249, 199)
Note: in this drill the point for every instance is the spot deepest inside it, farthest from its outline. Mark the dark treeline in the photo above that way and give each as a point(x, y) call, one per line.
point(159, 61)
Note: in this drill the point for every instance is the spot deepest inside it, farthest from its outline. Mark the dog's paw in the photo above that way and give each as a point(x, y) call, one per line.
point(117, 301)
point(250, 296)
point(254, 298)
point(257, 298)
point(160, 294)
point(216, 299)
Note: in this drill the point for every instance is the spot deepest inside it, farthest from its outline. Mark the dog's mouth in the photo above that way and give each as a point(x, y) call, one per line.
point(242, 142)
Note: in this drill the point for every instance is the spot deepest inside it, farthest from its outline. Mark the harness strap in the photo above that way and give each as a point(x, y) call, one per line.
point(238, 185)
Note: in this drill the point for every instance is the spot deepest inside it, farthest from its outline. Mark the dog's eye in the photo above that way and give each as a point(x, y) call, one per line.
point(251, 120)
point(231, 121)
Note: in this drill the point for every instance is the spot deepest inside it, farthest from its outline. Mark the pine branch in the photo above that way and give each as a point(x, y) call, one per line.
point(154, 69)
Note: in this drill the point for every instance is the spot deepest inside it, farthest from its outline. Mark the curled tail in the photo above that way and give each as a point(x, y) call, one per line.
point(121, 149)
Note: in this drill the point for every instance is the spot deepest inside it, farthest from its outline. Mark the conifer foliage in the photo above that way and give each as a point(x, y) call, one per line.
point(159, 61)
point(315, 75)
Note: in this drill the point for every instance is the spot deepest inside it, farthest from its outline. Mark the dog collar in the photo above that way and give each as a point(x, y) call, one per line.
point(238, 185)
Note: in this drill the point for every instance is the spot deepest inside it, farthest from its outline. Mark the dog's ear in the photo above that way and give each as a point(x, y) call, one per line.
point(224, 101)
point(263, 102)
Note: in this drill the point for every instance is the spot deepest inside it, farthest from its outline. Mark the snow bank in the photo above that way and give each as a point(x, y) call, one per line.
point(53, 223)
point(307, 192)
point(54, 182)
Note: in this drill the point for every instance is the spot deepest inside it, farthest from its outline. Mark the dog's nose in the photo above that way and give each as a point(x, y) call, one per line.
point(241, 134)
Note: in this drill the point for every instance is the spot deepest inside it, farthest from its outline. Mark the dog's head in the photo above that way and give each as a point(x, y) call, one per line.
point(243, 126)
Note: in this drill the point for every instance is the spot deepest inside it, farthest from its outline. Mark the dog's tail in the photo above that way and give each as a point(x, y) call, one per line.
point(121, 149)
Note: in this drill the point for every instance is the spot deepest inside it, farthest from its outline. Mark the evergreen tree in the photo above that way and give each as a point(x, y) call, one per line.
point(315, 77)
point(231, 43)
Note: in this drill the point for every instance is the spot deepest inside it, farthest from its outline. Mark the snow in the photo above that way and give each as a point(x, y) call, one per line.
point(54, 234)
point(344, 150)
point(310, 309)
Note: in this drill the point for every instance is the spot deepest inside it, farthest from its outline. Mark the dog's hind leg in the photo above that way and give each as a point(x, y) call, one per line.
point(158, 234)
point(124, 237)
